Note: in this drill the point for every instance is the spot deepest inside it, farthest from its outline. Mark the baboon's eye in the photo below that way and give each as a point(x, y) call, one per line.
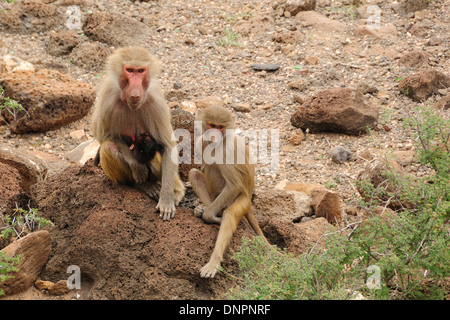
point(141, 70)
point(130, 70)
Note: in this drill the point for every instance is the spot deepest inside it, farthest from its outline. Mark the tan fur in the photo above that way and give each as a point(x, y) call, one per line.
point(224, 187)
point(113, 117)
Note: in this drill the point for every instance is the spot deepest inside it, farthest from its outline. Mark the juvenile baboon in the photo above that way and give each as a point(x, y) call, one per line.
point(225, 189)
point(130, 102)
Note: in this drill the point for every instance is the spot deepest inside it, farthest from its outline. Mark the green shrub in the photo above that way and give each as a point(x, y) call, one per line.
point(21, 222)
point(410, 247)
point(7, 266)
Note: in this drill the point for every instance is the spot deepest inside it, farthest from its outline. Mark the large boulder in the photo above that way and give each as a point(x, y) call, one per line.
point(124, 250)
point(421, 85)
point(286, 205)
point(90, 55)
point(326, 204)
point(59, 43)
point(30, 167)
point(339, 110)
point(50, 99)
point(34, 250)
point(29, 16)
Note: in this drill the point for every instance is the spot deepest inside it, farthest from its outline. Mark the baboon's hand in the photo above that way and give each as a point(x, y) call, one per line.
point(211, 217)
point(210, 269)
point(140, 172)
point(166, 209)
point(199, 210)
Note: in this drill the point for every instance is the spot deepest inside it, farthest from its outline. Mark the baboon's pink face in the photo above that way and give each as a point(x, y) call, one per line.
point(134, 84)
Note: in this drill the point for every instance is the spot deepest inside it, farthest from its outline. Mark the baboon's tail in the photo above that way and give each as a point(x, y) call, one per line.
point(254, 223)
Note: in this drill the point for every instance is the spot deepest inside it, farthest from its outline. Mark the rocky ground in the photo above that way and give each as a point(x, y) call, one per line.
point(207, 50)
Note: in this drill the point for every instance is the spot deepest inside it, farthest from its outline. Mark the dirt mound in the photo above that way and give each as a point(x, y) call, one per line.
point(30, 16)
point(115, 29)
point(122, 247)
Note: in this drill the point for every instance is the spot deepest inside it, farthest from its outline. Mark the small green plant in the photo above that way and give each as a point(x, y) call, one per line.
point(331, 184)
point(229, 39)
point(7, 266)
point(11, 106)
point(351, 11)
point(22, 221)
point(385, 116)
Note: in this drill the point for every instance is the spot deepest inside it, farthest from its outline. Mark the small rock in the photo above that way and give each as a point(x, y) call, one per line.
point(297, 137)
point(288, 37)
point(265, 67)
point(405, 7)
point(83, 152)
point(77, 134)
point(209, 101)
point(257, 24)
point(444, 102)
point(298, 84)
point(381, 31)
point(404, 157)
point(189, 42)
point(416, 59)
point(9, 63)
point(188, 106)
point(306, 188)
point(243, 107)
point(367, 154)
point(43, 285)
point(365, 88)
point(340, 154)
point(298, 98)
point(312, 60)
point(290, 8)
point(59, 288)
point(327, 204)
